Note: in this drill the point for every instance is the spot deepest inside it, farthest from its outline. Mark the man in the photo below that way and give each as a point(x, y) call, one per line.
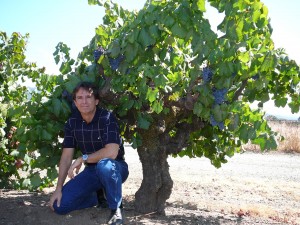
point(96, 133)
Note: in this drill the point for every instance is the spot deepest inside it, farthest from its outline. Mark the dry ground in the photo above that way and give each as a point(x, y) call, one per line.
point(252, 188)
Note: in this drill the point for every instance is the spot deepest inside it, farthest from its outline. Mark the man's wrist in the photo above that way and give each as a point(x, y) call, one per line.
point(84, 158)
point(58, 188)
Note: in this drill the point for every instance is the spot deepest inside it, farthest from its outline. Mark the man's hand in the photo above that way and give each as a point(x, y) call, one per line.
point(56, 196)
point(75, 166)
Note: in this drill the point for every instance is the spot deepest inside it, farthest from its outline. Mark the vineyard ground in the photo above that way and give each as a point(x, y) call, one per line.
point(252, 188)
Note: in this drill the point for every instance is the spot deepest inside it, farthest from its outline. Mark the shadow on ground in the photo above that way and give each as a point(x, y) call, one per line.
point(19, 207)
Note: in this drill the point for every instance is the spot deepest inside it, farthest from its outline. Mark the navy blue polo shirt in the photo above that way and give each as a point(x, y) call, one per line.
point(91, 137)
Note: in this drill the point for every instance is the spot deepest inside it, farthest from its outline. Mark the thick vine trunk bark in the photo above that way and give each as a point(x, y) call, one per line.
point(157, 184)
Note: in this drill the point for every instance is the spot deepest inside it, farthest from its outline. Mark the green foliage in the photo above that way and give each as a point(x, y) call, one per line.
point(157, 86)
point(167, 44)
point(12, 69)
point(32, 120)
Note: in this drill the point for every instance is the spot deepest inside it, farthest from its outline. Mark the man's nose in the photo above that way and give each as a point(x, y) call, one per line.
point(84, 100)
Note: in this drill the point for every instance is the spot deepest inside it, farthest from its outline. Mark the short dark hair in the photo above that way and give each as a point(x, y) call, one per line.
point(88, 86)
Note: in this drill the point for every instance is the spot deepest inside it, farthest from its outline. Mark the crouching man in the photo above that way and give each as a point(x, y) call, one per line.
point(96, 133)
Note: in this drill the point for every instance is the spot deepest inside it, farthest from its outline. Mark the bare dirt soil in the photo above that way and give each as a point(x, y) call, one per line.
point(252, 188)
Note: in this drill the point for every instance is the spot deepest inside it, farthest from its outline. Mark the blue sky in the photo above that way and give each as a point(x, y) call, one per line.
point(73, 22)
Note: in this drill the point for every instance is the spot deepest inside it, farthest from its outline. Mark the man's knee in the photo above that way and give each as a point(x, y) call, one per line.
point(61, 210)
point(109, 168)
point(106, 165)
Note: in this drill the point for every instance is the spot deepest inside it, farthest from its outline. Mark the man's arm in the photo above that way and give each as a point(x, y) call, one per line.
point(109, 151)
point(64, 165)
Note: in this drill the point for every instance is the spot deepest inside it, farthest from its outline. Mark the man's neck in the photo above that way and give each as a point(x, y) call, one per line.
point(88, 117)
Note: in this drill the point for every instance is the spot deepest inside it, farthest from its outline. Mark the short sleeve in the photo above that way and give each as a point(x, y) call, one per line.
point(69, 139)
point(111, 131)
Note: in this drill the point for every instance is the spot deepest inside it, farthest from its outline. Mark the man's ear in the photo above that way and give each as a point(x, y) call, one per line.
point(75, 102)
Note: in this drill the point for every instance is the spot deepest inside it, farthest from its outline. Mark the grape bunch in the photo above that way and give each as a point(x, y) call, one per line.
point(213, 122)
point(219, 95)
point(207, 74)
point(170, 49)
point(115, 62)
point(149, 47)
point(66, 95)
point(97, 53)
point(255, 77)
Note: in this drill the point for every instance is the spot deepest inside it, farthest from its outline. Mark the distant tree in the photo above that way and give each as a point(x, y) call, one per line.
point(13, 94)
point(271, 118)
point(31, 122)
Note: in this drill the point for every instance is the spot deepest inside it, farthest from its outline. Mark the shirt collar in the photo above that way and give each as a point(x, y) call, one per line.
point(76, 114)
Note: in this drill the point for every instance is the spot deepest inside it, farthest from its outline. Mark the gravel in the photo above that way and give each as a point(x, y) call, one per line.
point(252, 188)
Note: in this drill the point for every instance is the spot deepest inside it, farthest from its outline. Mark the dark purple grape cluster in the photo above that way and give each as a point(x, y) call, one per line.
point(66, 95)
point(215, 123)
point(170, 49)
point(255, 77)
point(219, 95)
point(115, 62)
point(207, 74)
point(97, 53)
point(149, 47)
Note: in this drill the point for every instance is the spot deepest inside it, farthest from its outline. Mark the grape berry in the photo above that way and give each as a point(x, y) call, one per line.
point(207, 74)
point(68, 96)
point(115, 62)
point(97, 53)
point(255, 77)
point(215, 123)
point(219, 95)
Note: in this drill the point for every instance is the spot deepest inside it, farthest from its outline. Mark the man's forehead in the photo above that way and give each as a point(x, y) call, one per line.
point(83, 91)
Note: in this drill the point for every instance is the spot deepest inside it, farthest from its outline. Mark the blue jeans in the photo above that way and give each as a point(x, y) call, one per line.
point(80, 192)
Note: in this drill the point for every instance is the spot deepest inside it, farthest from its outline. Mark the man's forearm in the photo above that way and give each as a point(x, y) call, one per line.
point(109, 151)
point(62, 173)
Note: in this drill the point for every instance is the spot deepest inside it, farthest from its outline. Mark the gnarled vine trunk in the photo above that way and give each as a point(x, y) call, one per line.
point(157, 144)
point(157, 184)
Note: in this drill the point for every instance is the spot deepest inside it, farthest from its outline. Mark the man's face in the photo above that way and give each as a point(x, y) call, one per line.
point(85, 101)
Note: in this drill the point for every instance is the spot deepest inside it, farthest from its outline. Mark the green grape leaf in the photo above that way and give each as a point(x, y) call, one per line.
point(35, 180)
point(201, 5)
point(157, 106)
point(179, 30)
point(152, 94)
point(145, 38)
point(198, 107)
point(143, 122)
point(56, 106)
point(281, 102)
